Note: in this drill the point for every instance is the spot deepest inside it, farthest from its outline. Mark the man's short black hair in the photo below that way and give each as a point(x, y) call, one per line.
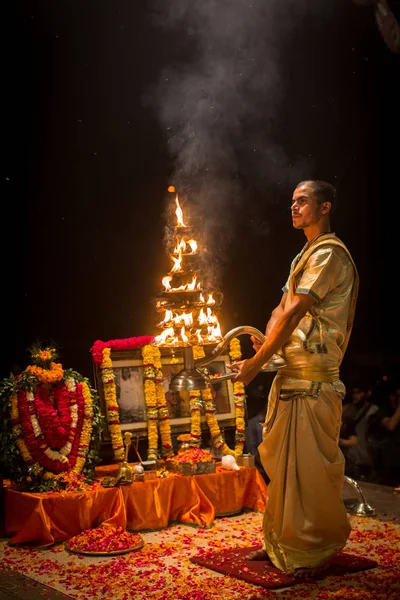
point(324, 191)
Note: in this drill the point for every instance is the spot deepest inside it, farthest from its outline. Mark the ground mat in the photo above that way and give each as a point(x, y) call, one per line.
point(233, 563)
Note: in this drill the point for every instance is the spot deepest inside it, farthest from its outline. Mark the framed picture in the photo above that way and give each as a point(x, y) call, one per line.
point(128, 371)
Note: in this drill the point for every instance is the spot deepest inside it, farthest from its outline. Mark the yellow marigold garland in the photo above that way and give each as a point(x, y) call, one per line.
point(235, 354)
point(17, 431)
point(86, 432)
point(217, 439)
point(156, 404)
point(110, 396)
point(195, 418)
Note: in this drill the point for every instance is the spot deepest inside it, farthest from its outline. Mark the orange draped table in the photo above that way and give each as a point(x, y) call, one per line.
point(43, 519)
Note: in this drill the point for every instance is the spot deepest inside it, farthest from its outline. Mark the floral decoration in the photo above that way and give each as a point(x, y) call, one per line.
point(51, 419)
point(110, 397)
point(158, 419)
point(156, 404)
point(193, 455)
point(131, 343)
point(105, 540)
point(163, 568)
point(205, 398)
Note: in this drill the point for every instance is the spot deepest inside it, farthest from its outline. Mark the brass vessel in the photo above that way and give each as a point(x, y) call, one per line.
point(125, 473)
point(191, 378)
point(361, 508)
point(246, 460)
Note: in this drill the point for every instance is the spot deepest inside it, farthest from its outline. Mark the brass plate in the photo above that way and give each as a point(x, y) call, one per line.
point(111, 553)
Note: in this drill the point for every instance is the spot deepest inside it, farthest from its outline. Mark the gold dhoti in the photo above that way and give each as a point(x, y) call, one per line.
point(305, 522)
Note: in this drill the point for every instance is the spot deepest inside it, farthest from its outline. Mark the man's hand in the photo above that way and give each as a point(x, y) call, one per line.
point(245, 371)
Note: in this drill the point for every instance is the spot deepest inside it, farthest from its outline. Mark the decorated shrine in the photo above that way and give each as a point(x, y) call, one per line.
point(55, 423)
point(51, 425)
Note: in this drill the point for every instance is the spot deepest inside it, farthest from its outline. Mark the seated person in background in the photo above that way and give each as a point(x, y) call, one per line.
point(384, 440)
point(354, 432)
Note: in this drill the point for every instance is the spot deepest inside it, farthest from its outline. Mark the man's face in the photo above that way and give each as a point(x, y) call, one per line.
point(305, 209)
point(126, 373)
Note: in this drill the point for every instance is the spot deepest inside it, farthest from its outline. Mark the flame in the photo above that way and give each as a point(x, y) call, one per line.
point(214, 333)
point(186, 318)
point(202, 317)
point(184, 336)
point(163, 337)
point(190, 286)
point(177, 263)
point(193, 246)
point(168, 317)
point(181, 247)
point(180, 326)
point(166, 281)
point(179, 213)
point(211, 318)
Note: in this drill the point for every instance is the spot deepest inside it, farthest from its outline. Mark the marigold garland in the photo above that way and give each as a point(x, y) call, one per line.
point(156, 404)
point(51, 375)
point(50, 421)
point(195, 418)
point(156, 407)
point(110, 397)
point(217, 439)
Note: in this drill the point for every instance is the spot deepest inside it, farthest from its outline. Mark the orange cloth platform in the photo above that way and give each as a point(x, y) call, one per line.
point(42, 519)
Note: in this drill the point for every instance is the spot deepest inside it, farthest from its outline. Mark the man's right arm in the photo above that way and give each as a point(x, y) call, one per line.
point(276, 313)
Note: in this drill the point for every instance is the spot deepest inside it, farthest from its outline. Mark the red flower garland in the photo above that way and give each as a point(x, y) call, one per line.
point(54, 420)
point(131, 343)
point(37, 445)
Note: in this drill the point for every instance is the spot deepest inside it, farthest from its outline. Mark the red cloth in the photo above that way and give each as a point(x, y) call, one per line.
point(260, 572)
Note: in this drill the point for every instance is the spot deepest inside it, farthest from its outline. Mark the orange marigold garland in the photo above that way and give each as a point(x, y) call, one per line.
point(156, 404)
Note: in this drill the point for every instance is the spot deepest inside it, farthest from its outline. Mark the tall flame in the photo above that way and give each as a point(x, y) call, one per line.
point(179, 213)
point(189, 318)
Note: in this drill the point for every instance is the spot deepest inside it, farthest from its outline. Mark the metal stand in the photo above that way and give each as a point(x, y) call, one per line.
point(360, 509)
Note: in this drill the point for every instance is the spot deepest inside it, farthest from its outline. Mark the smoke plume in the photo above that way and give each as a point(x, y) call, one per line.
point(219, 103)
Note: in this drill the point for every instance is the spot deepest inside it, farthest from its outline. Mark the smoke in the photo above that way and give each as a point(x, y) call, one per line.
point(219, 104)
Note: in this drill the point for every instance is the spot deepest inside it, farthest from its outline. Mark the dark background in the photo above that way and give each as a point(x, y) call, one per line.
point(87, 168)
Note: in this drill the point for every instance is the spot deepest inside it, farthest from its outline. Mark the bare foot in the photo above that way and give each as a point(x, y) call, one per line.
point(259, 554)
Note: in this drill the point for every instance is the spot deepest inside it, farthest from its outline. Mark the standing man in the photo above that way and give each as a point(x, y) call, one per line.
point(305, 522)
